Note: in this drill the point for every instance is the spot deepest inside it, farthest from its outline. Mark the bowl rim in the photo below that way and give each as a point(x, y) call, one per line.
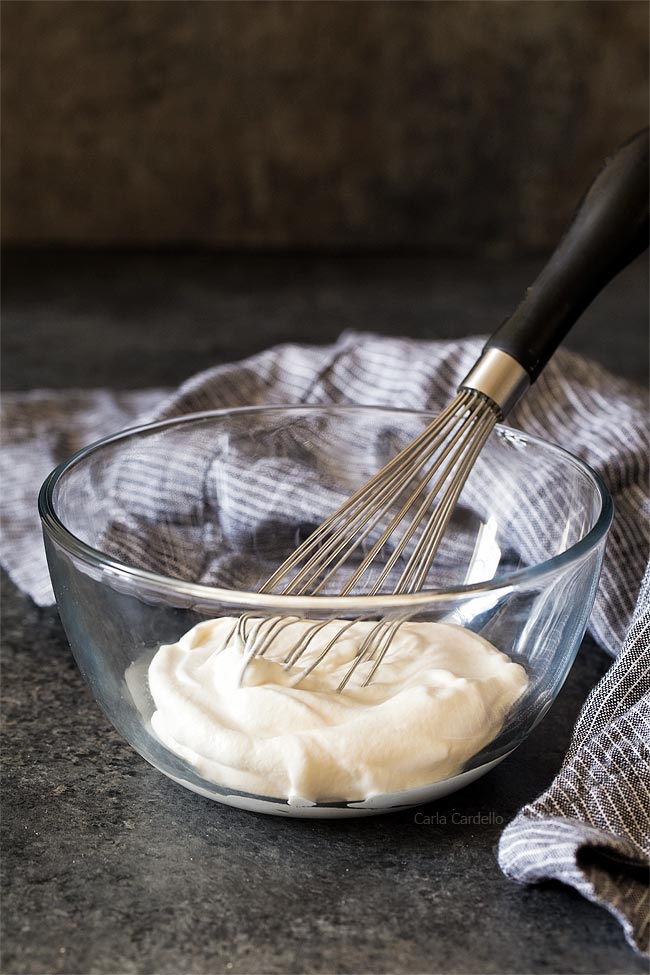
point(168, 585)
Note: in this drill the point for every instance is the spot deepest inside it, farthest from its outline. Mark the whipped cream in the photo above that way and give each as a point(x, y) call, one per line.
point(440, 695)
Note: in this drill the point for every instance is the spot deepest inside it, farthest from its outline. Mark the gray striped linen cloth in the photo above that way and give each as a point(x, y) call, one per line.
point(591, 828)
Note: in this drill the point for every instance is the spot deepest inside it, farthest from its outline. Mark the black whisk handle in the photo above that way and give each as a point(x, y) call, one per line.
point(609, 229)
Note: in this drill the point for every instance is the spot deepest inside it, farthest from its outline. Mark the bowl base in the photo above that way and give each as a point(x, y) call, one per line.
point(375, 806)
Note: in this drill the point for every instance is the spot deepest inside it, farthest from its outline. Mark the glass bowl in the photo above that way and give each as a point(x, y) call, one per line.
point(157, 528)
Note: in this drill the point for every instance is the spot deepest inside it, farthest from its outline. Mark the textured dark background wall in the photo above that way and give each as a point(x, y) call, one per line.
point(463, 127)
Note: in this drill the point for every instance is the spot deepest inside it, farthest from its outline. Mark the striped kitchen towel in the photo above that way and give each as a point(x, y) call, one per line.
point(591, 829)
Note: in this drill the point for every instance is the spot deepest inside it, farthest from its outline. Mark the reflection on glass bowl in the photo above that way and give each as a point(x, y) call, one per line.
point(155, 529)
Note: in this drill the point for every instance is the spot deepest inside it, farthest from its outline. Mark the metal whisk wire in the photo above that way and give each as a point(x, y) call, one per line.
point(397, 501)
point(462, 427)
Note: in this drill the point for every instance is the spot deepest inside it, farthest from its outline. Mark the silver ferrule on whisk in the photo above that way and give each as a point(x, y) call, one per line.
point(499, 377)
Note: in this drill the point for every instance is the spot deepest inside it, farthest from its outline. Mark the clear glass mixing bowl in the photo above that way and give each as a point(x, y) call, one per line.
point(157, 528)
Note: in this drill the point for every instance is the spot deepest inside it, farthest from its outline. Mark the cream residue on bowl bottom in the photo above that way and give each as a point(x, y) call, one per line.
point(440, 695)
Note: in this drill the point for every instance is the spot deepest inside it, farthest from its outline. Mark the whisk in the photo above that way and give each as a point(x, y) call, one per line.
point(406, 507)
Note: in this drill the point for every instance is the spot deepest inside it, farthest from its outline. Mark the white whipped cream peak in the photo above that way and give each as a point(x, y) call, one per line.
point(440, 695)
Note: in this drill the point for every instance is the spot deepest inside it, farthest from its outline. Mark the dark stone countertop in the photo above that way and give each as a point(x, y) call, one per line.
point(111, 868)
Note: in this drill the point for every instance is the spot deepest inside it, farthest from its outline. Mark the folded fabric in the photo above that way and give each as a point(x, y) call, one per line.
point(591, 828)
point(576, 403)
